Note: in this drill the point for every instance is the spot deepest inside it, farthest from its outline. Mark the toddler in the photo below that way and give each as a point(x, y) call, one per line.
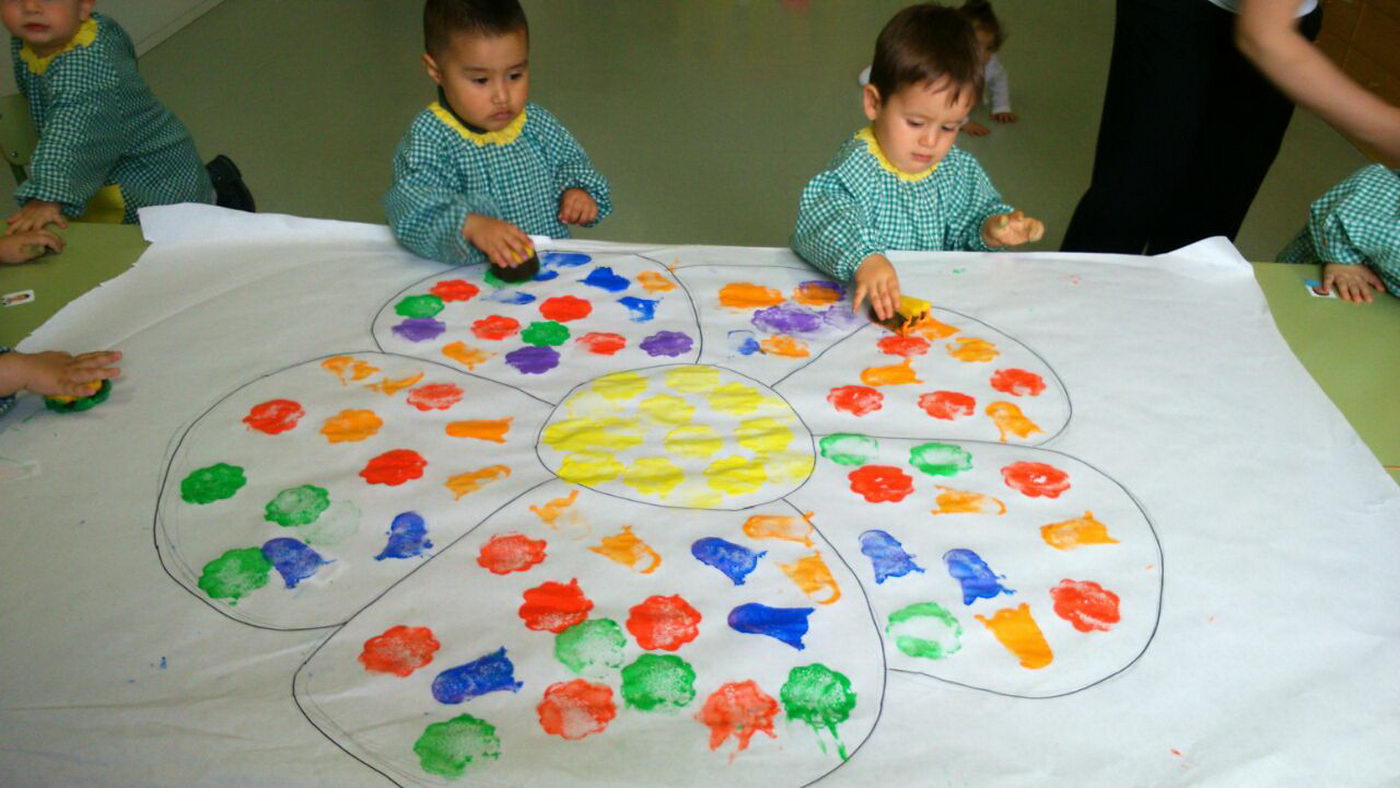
point(899, 183)
point(481, 169)
point(1354, 232)
point(52, 373)
point(106, 146)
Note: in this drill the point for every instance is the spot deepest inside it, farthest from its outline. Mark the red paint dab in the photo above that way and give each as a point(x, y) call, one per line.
point(506, 553)
point(856, 400)
point(1018, 382)
point(455, 290)
point(948, 405)
point(575, 709)
point(394, 467)
point(400, 650)
point(435, 396)
point(1035, 479)
point(664, 622)
point(554, 607)
point(878, 483)
point(274, 416)
point(739, 709)
point(496, 327)
point(909, 346)
point(565, 308)
point(602, 344)
point(1086, 605)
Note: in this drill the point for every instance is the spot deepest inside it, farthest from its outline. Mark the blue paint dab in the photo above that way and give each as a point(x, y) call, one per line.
point(887, 556)
point(978, 580)
point(545, 276)
point(603, 277)
point(491, 673)
point(163, 663)
point(511, 297)
point(787, 624)
point(564, 259)
point(735, 561)
point(743, 343)
point(642, 309)
point(408, 537)
point(292, 559)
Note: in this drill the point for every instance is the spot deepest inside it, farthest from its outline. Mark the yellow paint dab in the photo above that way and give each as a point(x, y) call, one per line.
point(893, 375)
point(692, 379)
point(972, 349)
point(349, 426)
point(694, 440)
point(485, 430)
point(784, 345)
point(466, 483)
point(625, 548)
point(620, 386)
point(1018, 632)
point(605, 435)
point(1009, 419)
point(1078, 532)
point(466, 355)
point(590, 468)
point(951, 501)
point(736, 475)
point(789, 466)
point(667, 410)
point(655, 282)
point(653, 475)
point(349, 368)
point(745, 295)
point(553, 508)
point(787, 528)
point(736, 399)
point(811, 574)
point(392, 387)
point(589, 405)
point(931, 329)
point(764, 436)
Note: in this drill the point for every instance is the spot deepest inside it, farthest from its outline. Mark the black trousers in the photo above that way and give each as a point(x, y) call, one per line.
point(1189, 130)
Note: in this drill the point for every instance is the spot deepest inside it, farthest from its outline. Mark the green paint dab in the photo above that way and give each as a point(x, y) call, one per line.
point(497, 282)
point(214, 483)
point(658, 681)
point(593, 648)
point(545, 334)
point(419, 306)
point(845, 448)
point(297, 505)
point(235, 574)
point(447, 748)
point(820, 697)
point(940, 459)
point(926, 630)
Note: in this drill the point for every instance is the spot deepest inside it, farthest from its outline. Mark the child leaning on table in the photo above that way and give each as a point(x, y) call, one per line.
point(1354, 232)
point(52, 373)
point(106, 146)
point(899, 183)
point(481, 168)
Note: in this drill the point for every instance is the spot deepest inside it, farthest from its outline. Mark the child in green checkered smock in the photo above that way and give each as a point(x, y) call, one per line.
point(104, 138)
point(899, 184)
point(1354, 232)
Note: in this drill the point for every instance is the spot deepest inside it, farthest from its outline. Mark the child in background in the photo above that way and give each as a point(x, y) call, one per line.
point(1354, 232)
point(53, 374)
point(107, 146)
point(481, 169)
point(899, 183)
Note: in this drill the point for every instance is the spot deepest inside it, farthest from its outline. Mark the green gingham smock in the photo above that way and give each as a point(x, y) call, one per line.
point(99, 124)
point(443, 171)
point(862, 205)
point(1356, 221)
point(6, 402)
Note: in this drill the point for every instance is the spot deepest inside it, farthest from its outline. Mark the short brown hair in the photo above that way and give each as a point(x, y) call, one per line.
point(443, 18)
point(926, 43)
point(981, 15)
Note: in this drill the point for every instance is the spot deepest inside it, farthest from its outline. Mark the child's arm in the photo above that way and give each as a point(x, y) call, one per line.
point(80, 145)
point(573, 172)
point(1352, 223)
point(979, 221)
point(54, 373)
point(834, 234)
point(999, 92)
point(23, 247)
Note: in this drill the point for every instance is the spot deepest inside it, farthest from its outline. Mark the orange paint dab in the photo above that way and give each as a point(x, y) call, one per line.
point(627, 549)
point(791, 529)
point(549, 513)
point(931, 329)
point(739, 709)
point(663, 623)
point(655, 282)
point(575, 709)
point(400, 650)
point(349, 426)
point(348, 368)
point(948, 405)
point(894, 375)
point(813, 577)
point(392, 387)
point(485, 430)
point(952, 501)
point(466, 355)
point(1010, 420)
point(903, 345)
point(464, 484)
point(1016, 629)
point(744, 295)
point(972, 349)
point(554, 607)
point(784, 345)
point(1069, 534)
point(817, 293)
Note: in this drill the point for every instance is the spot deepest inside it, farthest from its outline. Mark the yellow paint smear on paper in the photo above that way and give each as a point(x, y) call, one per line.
point(787, 528)
point(972, 349)
point(620, 386)
point(590, 468)
point(349, 426)
point(664, 409)
point(493, 430)
point(392, 387)
point(466, 483)
point(653, 475)
point(893, 375)
point(1018, 632)
point(655, 283)
point(811, 574)
point(789, 466)
point(736, 475)
point(931, 329)
point(604, 435)
point(692, 379)
point(694, 440)
point(745, 295)
point(1080, 531)
point(466, 355)
point(348, 368)
point(1009, 419)
point(625, 548)
point(784, 345)
point(763, 436)
point(736, 399)
point(553, 508)
point(951, 501)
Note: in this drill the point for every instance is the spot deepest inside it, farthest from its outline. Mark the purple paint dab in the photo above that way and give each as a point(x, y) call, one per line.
point(420, 329)
point(533, 360)
point(667, 343)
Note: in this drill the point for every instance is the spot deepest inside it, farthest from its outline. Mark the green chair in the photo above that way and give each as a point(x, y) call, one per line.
point(17, 136)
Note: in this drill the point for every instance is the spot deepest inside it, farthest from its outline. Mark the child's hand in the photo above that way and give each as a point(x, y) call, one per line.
point(975, 129)
point(35, 215)
point(25, 246)
point(1005, 117)
point(576, 207)
point(877, 280)
point(1353, 282)
point(503, 242)
point(1011, 229)
point(55, 374)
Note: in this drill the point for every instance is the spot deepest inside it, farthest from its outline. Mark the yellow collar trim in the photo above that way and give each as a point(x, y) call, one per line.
point(867, 135)
point(87, 33)
point(505, 136)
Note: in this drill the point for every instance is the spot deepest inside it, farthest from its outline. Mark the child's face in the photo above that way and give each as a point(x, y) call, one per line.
point(486, 78)
point(985, 40)
point(917, 125)
point(45, 25)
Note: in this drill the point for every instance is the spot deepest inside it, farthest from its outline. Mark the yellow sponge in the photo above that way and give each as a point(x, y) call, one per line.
point(910, 311)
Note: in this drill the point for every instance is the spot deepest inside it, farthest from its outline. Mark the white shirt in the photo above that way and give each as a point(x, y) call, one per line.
point(1305, 7)
point(998, 92)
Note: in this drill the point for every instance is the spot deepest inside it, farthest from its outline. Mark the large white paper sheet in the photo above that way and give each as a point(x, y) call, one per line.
point(676, 517)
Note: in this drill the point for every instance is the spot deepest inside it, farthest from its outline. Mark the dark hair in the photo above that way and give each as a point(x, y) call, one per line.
point(981, 15)
point(443, 18)
point(926, 43)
